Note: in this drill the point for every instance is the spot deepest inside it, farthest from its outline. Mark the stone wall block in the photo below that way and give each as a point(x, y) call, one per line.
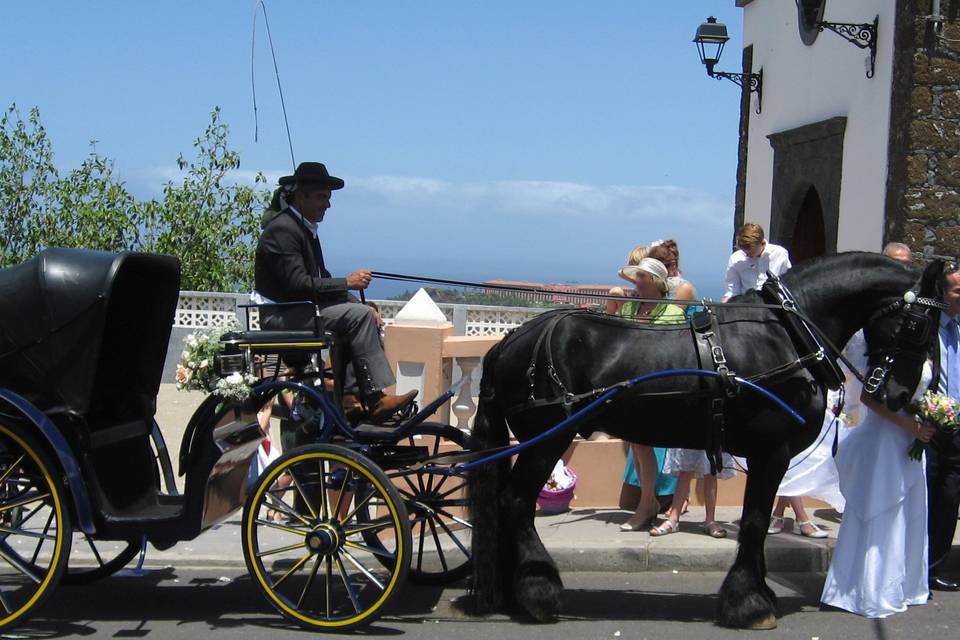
point(950, 105)
point(931, 203)
point(922, 101)
point(921, 67)
point(944, 71)
point(949, 173)
point(935, 136)
point(948, 241)
point(917, 169)
point(913, 234)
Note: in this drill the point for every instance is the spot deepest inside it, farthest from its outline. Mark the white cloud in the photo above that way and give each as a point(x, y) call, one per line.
point(545, 198)
point(656, 204)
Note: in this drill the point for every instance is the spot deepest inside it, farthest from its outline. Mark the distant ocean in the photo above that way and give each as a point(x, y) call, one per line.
point(386, 289)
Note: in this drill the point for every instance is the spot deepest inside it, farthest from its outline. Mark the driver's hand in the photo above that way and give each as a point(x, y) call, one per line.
point(359, 279)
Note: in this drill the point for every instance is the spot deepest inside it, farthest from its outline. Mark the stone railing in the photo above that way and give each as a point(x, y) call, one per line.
point(204, 309)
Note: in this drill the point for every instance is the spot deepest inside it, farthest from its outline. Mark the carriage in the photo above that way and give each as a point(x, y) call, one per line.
point(332, 529)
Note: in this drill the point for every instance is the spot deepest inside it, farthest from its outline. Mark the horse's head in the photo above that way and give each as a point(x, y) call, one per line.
point(899, 337)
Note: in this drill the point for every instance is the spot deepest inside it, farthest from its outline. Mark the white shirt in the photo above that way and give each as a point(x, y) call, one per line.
point(943, 335)
point(745, 273)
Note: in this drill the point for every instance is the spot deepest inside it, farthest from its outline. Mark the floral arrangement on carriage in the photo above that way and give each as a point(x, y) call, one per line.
point(941, 411)
point(196, 371)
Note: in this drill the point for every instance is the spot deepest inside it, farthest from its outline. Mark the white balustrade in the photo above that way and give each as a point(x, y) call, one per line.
point(463, 405)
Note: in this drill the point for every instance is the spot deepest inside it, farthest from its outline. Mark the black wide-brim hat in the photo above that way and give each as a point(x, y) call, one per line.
point(312, 173)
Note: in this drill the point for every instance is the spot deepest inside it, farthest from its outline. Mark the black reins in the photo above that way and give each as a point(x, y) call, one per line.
point(707, 303)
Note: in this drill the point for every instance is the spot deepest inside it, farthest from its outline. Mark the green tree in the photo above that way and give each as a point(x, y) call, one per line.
point(209, 222)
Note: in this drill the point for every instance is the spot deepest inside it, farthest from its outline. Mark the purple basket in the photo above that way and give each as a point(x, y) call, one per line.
point(552, 502)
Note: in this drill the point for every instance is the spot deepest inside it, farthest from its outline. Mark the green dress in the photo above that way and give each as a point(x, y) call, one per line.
point(663, 313)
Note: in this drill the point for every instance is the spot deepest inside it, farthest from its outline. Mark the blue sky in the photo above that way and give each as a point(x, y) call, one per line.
point(526, 140)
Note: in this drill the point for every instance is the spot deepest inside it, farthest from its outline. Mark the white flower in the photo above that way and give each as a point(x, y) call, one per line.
point(235, 378)
point(204, 363)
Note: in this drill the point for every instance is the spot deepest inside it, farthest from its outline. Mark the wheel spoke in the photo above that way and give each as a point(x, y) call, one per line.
point(436, 540)
point(453, 490)
point(328, 578)
point(279, 504)
point(453, 537)
point(420, 547)
point(346, 583)
point(383, 553)
point(273, 552)
point(46, 528)
point(28, 534)
point(343, 490)
point(459, 521)
point(306, 587)
point(270, 524)
point(362, 569)
point(299, 563)
point(11, 557)
point(357, 506)
point(23, 502)
point(303, 495)
point(374, 525)
point(11, 468)
point(323, 490)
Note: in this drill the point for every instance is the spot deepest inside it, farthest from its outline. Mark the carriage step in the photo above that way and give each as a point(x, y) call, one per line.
point(384, 432)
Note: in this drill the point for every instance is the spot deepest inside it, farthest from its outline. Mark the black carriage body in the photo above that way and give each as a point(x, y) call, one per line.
point(85, 347)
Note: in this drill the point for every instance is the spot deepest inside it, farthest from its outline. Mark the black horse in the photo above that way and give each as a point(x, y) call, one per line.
point(560, 360)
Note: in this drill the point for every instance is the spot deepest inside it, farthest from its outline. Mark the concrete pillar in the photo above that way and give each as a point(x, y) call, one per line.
point(414, 346)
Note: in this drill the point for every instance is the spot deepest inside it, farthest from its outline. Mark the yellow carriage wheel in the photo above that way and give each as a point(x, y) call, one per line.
point(34, 524)
point(304, 544)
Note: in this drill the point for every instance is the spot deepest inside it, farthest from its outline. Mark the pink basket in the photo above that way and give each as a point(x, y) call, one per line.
point(552, 502)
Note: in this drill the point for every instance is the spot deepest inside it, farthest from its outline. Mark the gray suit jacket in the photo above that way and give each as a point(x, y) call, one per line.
point(289, 267)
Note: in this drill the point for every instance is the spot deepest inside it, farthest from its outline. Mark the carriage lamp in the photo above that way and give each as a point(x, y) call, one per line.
point(710, 38)
point(232, 359)
point(862, 35)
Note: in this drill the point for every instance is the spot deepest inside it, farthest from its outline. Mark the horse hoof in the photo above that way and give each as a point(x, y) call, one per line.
point(765, 624)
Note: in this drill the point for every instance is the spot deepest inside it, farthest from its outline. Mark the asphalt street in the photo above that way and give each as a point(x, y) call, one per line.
point(211, 604)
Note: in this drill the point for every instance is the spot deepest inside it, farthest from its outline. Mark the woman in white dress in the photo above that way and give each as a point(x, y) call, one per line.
point(879, 563)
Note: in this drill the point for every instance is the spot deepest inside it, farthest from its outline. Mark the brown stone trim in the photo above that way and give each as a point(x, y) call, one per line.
point(741, 193)
point(895, 217)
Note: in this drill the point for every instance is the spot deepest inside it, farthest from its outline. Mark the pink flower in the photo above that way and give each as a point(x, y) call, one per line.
point(183, 375)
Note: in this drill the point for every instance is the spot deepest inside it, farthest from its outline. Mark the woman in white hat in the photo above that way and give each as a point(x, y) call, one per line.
point(649, 278)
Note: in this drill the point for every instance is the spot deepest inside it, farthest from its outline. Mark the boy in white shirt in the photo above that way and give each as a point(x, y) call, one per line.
point(748, 266)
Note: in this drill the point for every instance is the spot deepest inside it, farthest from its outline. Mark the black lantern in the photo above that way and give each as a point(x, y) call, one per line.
point(710, 38)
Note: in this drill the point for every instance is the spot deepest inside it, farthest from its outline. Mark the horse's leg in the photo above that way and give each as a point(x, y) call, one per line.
point(537, 587)
point(745, 599)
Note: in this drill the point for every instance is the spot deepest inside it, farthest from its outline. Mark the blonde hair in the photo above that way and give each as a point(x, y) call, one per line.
point(639, 253)
point(749, 235)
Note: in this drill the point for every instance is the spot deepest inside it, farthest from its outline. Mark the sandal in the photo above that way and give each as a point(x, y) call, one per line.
point(714, 530)
point(638, 524)
point(776, 525)
point(664, 528)
point(817, 531)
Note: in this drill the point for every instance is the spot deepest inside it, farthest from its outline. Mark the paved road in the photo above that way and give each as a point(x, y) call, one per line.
point(224, 604)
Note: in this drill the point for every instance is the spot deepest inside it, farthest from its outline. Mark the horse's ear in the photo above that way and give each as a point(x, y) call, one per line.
point(930, 282)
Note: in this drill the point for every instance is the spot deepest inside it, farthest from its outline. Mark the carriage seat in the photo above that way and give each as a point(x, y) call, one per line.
point(277, 341)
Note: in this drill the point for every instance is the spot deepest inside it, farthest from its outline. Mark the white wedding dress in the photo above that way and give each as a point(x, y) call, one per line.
point(879, 563)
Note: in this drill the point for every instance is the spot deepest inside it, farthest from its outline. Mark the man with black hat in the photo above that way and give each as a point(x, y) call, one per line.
point(289, 267)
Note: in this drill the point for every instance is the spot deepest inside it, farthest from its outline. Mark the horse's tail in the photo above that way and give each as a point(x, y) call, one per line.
point(485, 487)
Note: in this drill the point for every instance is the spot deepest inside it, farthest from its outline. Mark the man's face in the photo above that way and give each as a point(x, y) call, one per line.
point(753, 250)
point(313, 203)
point(901, 255)
point(951, 293)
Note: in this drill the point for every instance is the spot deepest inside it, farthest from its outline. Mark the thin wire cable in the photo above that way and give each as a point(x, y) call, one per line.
point(266, 21)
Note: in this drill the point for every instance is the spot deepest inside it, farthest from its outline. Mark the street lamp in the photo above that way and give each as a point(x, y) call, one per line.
point(710, 38)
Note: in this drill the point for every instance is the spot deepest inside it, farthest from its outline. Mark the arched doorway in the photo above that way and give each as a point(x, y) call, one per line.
point(809, 238)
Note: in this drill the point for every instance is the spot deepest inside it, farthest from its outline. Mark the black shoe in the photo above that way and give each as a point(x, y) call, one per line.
point(939, 583)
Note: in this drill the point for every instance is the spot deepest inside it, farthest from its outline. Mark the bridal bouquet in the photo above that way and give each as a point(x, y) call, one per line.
point(940, 410)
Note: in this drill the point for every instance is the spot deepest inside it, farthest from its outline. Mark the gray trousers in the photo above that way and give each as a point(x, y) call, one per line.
point(350, 322)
